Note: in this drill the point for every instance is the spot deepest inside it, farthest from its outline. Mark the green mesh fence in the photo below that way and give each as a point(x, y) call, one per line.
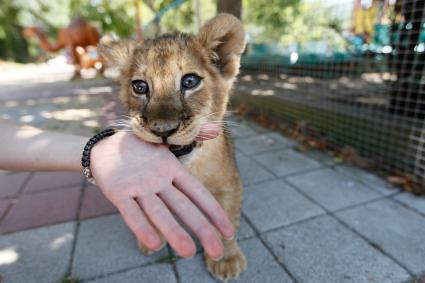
point(352, 70)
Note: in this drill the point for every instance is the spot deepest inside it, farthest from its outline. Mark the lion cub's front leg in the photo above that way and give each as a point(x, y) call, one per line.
point(233, 261)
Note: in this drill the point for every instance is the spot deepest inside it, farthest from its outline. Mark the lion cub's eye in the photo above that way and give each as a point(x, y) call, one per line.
point(190, 81)
point(140, 87)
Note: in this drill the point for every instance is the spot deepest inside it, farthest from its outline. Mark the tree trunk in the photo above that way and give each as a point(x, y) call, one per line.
point(233, 7)
point(139, 34)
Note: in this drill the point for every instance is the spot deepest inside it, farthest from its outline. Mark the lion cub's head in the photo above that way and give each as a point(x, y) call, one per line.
point(173, 84)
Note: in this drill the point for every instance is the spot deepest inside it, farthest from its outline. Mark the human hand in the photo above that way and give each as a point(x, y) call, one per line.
point(145, 180)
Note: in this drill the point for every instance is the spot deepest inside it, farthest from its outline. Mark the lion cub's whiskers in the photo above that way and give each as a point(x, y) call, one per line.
point(124, 125)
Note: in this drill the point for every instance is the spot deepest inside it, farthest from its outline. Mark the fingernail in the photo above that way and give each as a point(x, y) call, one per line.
point(159, 248)
point(218, 258)
point(188, 246)
point(230, 238)
point(230, 231)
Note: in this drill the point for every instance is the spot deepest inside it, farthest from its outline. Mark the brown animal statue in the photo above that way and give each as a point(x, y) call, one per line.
point(79, 38)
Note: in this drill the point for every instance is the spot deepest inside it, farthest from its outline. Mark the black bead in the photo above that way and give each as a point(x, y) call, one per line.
point(85, 159)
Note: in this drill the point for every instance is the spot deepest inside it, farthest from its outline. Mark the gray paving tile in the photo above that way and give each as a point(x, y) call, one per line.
point(250, 171)
point(38, 255)
point(323, 250)
point(235, 121)
point(256, 127)
point(106, 245)
point(274, 204)
point(152, 274)
point(244, 231)
point(394, 228)
point(4, 205)
point(234, 118)
point(375, 182)
point(240, 131)
point(320, 156)
point(286, 162)
point(416, 202)
point(11, 184)
point(261, 266)
point(263, 143)
point(332, 189)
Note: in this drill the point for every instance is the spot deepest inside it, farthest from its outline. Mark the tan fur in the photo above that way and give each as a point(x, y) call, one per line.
point(214, 54)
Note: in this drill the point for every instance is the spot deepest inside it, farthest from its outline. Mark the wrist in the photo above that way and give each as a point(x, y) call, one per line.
point(87, 152)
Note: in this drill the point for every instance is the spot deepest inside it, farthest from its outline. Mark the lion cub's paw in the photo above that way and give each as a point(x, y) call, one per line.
point(227, 268)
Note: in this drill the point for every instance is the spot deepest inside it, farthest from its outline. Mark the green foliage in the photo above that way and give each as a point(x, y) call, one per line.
point(111, 16)
point(69, 279)
point(181, 19)
point(51, 15)
point(314, 23)
point(161, 4)
point(269, 19)
point(108, 16)
point(293, 22)
point(167, 259)
point(12, 45)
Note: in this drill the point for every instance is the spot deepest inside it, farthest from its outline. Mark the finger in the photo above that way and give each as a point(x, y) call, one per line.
point(195, 220)
point(208, 131)
point(139, 224)
point(162, 218)
point(192, 188)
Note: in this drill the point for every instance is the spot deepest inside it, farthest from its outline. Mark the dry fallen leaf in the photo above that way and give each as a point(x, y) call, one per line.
point(398, 180)
point(310, 139)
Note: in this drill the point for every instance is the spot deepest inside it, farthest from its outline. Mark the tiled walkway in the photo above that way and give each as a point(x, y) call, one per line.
point(305, 219)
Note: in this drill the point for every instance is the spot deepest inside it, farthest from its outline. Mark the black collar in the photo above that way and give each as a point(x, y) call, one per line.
point(182, 150)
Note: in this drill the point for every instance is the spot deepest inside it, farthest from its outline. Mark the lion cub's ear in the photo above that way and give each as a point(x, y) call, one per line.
point(224, 38)
point(118, 53)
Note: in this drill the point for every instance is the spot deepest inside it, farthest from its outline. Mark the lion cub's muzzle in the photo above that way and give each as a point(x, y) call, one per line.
point(164, 129)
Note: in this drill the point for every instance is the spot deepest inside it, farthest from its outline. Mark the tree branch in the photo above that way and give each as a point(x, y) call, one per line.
point(150, 5)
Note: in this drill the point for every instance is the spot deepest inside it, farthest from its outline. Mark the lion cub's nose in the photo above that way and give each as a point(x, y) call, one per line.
point(163, 129)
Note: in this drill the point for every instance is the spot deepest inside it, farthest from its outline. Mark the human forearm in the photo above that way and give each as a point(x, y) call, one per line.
point(129, 172)
point(31, 149)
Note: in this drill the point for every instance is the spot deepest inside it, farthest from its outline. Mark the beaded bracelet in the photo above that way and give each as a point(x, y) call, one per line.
point(85, 160)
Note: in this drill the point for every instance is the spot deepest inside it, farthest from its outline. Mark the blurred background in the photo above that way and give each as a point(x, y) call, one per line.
point(341, 76)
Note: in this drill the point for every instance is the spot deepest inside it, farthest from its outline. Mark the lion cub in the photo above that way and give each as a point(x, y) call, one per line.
point(174, 84)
